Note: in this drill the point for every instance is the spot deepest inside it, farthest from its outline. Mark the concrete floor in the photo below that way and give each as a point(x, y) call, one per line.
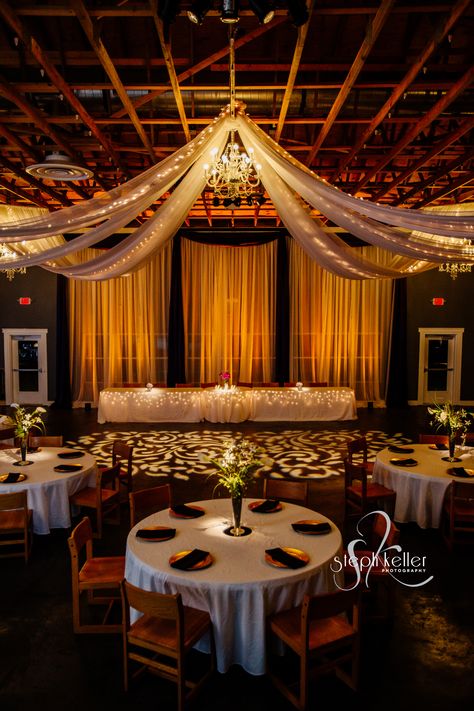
point(424, 659)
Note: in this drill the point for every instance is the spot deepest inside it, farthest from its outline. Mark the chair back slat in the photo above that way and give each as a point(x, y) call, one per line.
point(317, 607)
point(16, 500)
point(108, 478)
point(80, 536)
point(296, 491)
point(45, 441)
point(150, 603)
point(147, 501)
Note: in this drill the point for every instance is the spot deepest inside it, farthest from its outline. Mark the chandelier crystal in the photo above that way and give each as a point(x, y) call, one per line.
point(7, 255)
point(233, 174)
point(455, 268)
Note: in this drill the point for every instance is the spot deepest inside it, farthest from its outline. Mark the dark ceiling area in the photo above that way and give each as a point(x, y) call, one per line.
point(376, 97)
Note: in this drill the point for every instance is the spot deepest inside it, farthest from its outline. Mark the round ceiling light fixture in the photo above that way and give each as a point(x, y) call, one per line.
point(58, 166)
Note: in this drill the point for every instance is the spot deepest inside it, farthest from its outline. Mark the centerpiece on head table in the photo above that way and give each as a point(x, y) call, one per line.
point(455, 422)
point(23, 422)
point(235, 471)
point(224, 375)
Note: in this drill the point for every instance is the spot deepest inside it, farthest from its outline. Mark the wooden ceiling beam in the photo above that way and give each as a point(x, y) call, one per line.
point(335, 67)
point(461, 182)
point(371, 36)
point(21, 145)
point(19, 192)
point(438, 36)
point(90, 30)
point(168, 57)
point(61, 85)
point(451, 138)
point(462, 83)
point(16, 170)
point(300, 42)
point(188, 73)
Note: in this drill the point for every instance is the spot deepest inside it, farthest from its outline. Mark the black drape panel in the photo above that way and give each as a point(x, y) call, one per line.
point(397, 374)
point(282, 325)
point(176, 352)
point(63, 382)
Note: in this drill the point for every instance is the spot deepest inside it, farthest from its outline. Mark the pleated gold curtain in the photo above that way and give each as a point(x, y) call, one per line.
point(340, 328)
point(118, 328)
point(229, 311)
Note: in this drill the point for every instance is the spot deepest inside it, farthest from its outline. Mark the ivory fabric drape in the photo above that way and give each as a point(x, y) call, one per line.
point(339, 327)
point(118, 329)
point(229, 311)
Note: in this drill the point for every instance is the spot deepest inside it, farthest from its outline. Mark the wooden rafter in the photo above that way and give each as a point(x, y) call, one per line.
point(456, 89)
point(464, 180)
point(370, 38)
point(109, 67)
point(19, 192)
point(439, 34)
point(16, 170)
point(24, 147)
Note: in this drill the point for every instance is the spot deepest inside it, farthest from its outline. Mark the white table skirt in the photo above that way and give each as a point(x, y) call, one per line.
point(421, 489)
point(48, 491)
point(220, 405)
point(240, 589)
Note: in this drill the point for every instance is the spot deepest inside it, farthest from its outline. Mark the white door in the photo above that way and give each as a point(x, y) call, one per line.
point(439, 378)
point(26, 372)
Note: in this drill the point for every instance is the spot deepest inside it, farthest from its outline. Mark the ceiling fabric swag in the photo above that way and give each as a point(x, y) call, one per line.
point(437, 224)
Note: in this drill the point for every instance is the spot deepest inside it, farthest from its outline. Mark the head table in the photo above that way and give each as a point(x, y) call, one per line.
point(240, 588)
point(220, 404)
point(421, 488)
point(48, 491)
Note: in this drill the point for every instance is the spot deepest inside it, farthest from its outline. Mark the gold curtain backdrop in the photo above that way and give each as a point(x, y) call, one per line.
point(118, 328)
point(339, 328)
point(229, 311)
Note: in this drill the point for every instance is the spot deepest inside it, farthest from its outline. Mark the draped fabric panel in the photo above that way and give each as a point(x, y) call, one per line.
point(339, 327)
point(229, 311)
point(118, 329)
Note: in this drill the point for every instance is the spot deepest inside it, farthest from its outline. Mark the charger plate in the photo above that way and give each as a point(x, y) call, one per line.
point(295, 552)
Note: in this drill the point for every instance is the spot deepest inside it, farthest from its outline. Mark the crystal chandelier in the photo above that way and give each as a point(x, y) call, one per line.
point(454, 268)
point(7, 255)
point(234, 174)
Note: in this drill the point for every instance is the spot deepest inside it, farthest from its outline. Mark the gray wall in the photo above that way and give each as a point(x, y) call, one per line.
point(458, 312)
point(40, 285)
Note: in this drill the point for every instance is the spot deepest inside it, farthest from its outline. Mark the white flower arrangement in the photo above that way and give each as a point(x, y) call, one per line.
point(24, 421)
point(237, 465)
point(455, 421)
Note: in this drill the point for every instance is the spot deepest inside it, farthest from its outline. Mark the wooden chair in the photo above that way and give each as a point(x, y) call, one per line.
point(323, 639)
point(148, 501)
point(315, 384)
point(45, 441)
point(104, 498)
point(378, 587)
point(95, 575)
point(208, 385)
point(359, 447)
point(243, 384)
point(167, 628)
point(15, 525)
point(433, 439)
point(160, 385)
point(360, 495)
point(290, 384)
point(122, 454)
point(457, 516)
point(293, 491)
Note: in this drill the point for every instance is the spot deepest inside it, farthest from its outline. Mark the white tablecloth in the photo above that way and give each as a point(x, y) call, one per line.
point(221, 405)
point(240, 589)
point(421, 489)
point(48, 491)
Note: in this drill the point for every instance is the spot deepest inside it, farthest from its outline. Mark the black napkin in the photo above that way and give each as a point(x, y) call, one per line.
point(400, 450)
point(409, 462)
point(70, 455)
point(281, 556)
point(12, 478)
point(188, 511)
point(460, 471)
point(67, 468)
point(323, 527)
point(155, 533)
point(266, 506)
point(441, 446)
point(190, 560)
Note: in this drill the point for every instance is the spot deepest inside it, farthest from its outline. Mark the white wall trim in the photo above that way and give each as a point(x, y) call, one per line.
point(457, 334)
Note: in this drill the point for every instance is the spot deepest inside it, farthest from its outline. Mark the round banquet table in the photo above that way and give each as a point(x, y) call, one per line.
point(420, 489)
point(48, 491)
point(239, 589)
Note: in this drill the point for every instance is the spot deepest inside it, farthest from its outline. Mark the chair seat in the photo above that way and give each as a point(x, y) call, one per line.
point(103, 570)
point(322, 632)
point(374, 491)
point(88, 496)
point(163, 632)
point(12, 521)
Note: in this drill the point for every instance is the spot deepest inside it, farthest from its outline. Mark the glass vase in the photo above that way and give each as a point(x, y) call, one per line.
point(236, 529)
point(452, 448)
point(23, 452)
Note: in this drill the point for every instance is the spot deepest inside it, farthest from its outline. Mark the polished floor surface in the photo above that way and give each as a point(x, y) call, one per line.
point(423, 659)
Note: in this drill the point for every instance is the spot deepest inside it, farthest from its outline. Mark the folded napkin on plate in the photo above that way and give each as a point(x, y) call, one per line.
point(70, 455)
point(12, 478)
point(266, 506)
point(440, 445)
point(460, 471)
point(67, 468)
point(400, 450)
point(409, 462)
point(190, 560)
point(323, 527)
point(155, 533)
point(281, 556)
point(183, 510)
